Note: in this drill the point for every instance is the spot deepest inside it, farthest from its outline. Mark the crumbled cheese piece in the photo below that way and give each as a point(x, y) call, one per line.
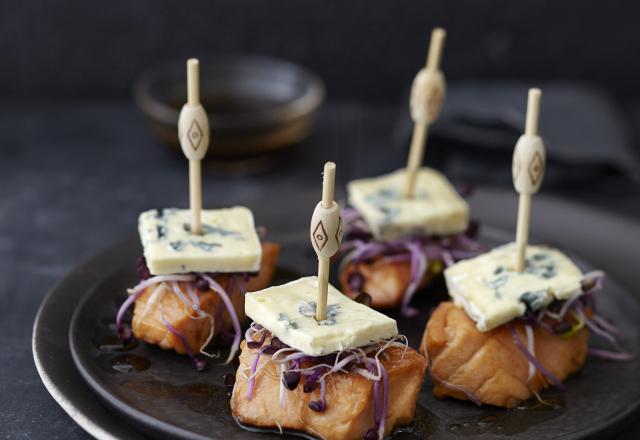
point(435, 209)
point(492, 293)
point(288, 312)
point(229, 242)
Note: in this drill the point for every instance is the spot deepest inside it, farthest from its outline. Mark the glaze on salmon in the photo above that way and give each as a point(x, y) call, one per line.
point(349, 413)
point(158, 304)
point(488, 366)
point(386, 281)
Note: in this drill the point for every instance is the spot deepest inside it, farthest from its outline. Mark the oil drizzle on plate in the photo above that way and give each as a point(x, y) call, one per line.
point(123, 363)
point(113, 344)
point(509, 421)
point(202, 398)
point(105, 337)
point(423, 424)
point(113, 356)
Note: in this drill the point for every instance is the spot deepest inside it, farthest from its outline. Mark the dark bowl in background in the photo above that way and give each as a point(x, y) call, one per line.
point(255, 104)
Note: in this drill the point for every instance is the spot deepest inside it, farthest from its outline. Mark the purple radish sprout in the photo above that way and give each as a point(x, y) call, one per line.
point(200, 364)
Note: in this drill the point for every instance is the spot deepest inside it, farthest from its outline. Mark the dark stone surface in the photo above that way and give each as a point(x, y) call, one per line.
point(75, 175)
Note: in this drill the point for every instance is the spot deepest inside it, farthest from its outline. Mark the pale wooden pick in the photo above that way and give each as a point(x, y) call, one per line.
point(193, 131)
point(326, 235)
point(427, 95)
point(528, 167)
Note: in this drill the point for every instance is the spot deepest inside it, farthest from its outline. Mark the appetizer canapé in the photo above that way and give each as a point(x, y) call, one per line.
point(192, 286)
point(197, 264)
point(397, 244)
point(350, 376)
point(508, 335)
point(405, 226)
point(527, 312)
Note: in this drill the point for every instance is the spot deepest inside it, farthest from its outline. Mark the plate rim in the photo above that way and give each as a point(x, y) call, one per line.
point(75, 413)
point(151, 424)
point(157, 426)
point(95, 429)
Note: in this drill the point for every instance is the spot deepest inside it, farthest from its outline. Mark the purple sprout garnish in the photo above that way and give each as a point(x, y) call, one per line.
point(561, 327)
point(291, 379)
point(229, 381)
point(142, 269)
point(363, 298)
point(355, 281)
point(295, 365)
point(553, 318)
point(533, 360)
point(317, 406)
point(199, 363)
point(309, 386)
point(201, 284)
point(190, 299)
point(320, 405)
point(424, 253)
point(472, 230)
point(371, 434)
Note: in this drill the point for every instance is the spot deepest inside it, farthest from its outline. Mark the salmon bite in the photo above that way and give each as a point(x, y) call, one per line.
point(393, 246)
point(404, 227)
point(349, 377)
point(490, 367)
point(187, 315)
point(316, 361)
point(522, 314)
point(355, 401)
point(197, 263)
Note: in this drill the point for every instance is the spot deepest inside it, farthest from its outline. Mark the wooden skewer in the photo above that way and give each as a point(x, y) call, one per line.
point(193, 82)
point(435, 48)
point(326, 235)
point(195, 195)
point(427, 95)
point(328, 184)
point(193, 131)
point(528, 167)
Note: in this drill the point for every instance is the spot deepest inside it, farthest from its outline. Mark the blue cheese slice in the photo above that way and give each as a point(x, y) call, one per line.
point(436, 208)
point(492, 293)
point(288, 312)
point(229, 242)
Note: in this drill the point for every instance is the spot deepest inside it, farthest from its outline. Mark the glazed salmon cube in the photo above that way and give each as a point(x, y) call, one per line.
point(385, 281)
point(349, 412)
point(153, 307)
point(488, 366)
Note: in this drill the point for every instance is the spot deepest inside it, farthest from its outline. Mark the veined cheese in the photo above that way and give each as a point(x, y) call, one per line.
point(288, 312)
point(492, 293)
point(435, 209)
point(229, 242)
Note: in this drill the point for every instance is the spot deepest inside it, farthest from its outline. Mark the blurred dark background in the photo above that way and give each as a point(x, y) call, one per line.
point(367, 53)
point(77, 163)
point(363, 49)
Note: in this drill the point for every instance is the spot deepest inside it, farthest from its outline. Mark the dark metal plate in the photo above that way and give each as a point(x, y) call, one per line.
point(170, 399)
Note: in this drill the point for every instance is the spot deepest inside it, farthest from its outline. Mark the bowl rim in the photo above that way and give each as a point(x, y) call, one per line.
point(300, 106)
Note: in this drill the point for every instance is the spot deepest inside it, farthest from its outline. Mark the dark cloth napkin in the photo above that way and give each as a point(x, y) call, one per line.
point(474, 138)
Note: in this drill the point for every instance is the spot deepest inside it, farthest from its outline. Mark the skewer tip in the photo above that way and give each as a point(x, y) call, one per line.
point(535, 93)
point(328, 184)
point(435, 48)
point(438, 33)
point(193, 81)
point(533, 111)
point(329, 166)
